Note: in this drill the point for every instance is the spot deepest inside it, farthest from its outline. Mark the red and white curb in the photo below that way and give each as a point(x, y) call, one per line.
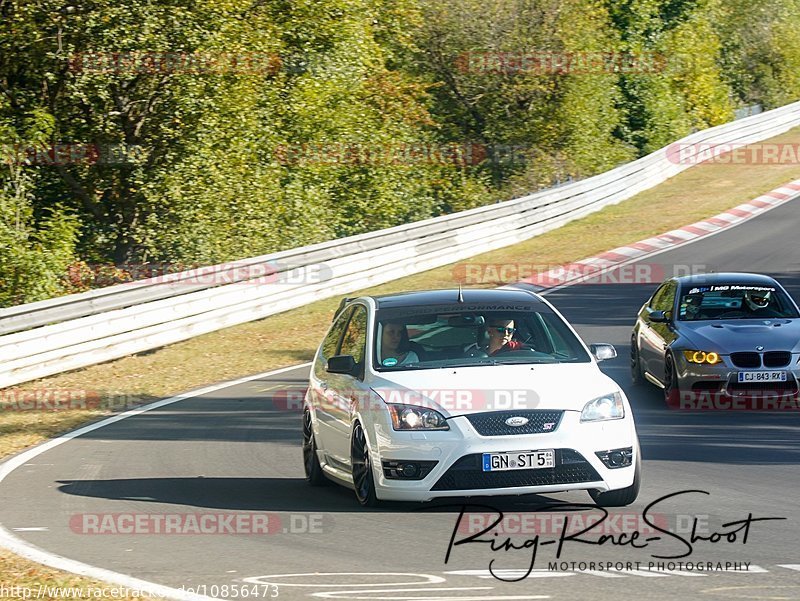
point(591, 268)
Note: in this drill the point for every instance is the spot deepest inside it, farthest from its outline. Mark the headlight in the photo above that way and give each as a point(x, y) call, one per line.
point(411, 417)
point(701, 357)
point(606, 407)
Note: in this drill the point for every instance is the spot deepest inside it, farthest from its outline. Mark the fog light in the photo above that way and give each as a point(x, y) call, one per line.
point(615, 458)
point(409, 470)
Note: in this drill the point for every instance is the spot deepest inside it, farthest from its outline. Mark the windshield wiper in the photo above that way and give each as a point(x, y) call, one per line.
point(474, 363)
point(531, 361)
point(410, 366)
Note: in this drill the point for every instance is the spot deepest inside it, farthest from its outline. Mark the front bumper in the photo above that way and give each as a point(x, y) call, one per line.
point(699, 382)
point(458, 472)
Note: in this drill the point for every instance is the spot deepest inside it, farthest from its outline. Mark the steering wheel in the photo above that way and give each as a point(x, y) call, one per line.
point(503, 350)
point(473, 351)
point(732, 314)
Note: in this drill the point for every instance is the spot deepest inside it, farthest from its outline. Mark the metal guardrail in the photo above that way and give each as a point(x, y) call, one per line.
point(69, 332)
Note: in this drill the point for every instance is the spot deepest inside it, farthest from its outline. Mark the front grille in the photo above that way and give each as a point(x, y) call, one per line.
point(762, 388)
point(467, 473)
point(777, 358)
point(746, 359)
point(494, 423)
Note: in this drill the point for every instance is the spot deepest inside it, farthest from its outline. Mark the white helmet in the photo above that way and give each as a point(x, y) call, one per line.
point(757, 300)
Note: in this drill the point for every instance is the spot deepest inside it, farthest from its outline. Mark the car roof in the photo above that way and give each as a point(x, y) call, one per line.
point(708, 279)
point(450, 297)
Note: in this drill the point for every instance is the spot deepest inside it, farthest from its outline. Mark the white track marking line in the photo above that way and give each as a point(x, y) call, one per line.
point(753, 569)
point(268, 388)
point(602, 574)
point(28, 551)
point(645, 573)
point(396, 590)
point(511, 573)
point(262, 580)
point(358, 595)
point(681, 573)
point(790, 566)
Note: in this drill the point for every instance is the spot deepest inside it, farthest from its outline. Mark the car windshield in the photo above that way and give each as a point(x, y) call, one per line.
point(432, 337)
point(734, 301)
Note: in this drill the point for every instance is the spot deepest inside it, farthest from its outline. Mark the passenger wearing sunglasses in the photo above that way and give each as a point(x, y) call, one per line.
point(500, 333)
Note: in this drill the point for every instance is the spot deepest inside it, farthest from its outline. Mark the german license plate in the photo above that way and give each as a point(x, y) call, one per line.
point(762, 376)
point(518, 460)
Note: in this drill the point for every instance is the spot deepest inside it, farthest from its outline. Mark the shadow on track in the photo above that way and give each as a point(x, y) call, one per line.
point(268, 494)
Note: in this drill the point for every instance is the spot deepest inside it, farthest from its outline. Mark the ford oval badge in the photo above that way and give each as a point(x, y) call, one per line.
point(517, 421)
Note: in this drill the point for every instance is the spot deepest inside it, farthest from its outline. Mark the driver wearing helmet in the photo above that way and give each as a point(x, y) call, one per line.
point(757, 302)
point(693, 303)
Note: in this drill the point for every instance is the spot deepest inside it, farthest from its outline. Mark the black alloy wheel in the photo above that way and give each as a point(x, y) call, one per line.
point(314, 474)
point(363, 480)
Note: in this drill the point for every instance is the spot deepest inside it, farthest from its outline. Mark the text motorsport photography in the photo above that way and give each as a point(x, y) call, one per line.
point(651, 535)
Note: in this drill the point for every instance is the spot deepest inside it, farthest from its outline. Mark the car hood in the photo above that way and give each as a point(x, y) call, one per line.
point(467, 390)
point(729, 336)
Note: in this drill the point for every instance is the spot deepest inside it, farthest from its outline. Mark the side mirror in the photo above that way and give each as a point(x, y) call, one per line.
point(341, 364)
point(659, 316)
point(602, 352)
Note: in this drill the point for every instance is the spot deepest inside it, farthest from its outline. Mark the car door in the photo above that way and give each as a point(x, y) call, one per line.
point(655, 337)
point(346, 389)
point(320, 389)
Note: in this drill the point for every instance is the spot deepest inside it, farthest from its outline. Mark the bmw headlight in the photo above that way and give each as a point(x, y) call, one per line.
point(605, 407)
point(701, 357)
point(411, 417)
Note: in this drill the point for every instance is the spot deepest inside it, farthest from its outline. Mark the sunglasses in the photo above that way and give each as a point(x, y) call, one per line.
point(502, 330)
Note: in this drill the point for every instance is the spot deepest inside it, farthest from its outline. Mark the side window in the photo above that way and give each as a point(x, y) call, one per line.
point(657, 296)
point(664, 299)
point(331, 342)
point(559, 344)
point(354, 341)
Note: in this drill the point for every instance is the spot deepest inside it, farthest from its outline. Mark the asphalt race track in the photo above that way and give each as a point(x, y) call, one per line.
point(236, 452)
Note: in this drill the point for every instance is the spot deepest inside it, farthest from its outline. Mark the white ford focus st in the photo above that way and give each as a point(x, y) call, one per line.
point(448, 393)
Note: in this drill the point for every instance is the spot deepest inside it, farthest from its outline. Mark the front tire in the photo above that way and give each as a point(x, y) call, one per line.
point(621, 496)
point(637, 375)
point(363, 479)
point(671, 387)
point(314, 474)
